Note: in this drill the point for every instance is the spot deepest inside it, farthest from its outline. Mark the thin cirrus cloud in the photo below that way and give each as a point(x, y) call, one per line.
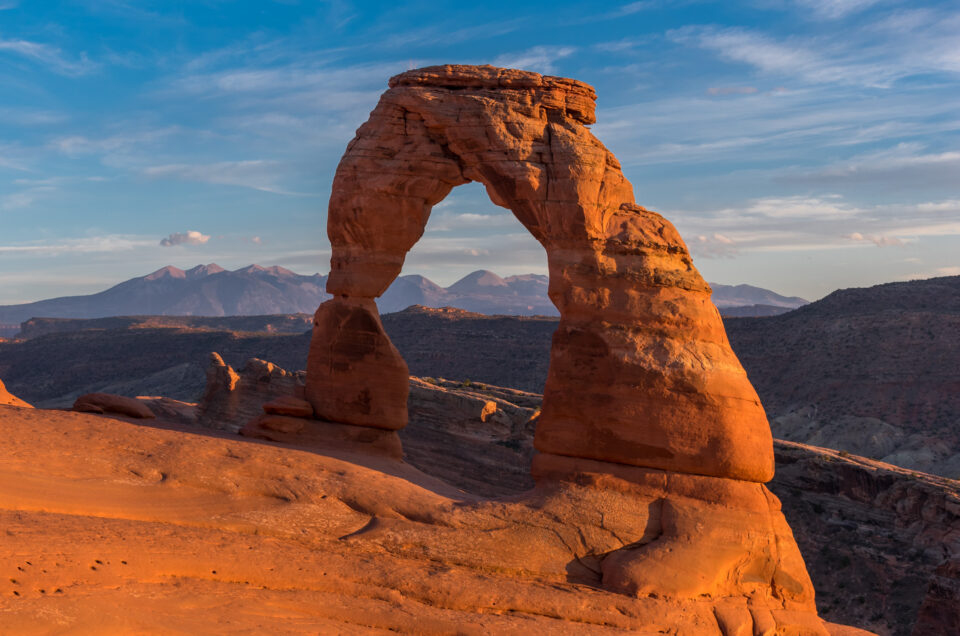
point(48, 56)
point(542, 59)
point(833, 9)
point(879, 241)
point(905, 164)
point(731, 90)
point(878, 54)
point(191, 237)
point(814, 223)
point(81, 144)
point(715, 245)
point(260, 175)
point(85, 245)
point(790, 57)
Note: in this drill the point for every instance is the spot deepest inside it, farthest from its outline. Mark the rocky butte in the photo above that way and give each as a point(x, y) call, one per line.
point(649, 514)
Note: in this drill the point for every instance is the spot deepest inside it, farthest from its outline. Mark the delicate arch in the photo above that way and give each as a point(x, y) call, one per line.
point(641, 372)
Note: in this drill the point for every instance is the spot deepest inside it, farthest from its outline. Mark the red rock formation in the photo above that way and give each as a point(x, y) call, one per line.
point(9, 399)
point(109, 403)
point(290, 406)
point(355, 374)
point(644, 398)
point(641, 372)
point(232, 399)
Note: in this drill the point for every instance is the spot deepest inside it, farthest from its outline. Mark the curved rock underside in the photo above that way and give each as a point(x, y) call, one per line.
point(643, 387)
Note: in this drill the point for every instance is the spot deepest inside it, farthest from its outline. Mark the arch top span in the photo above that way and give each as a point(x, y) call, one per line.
point(641, 372)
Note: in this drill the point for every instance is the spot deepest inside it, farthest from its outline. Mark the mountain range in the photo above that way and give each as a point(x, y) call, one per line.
point(210, 290)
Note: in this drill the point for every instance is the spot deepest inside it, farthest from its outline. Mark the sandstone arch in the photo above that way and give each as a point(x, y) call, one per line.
point(641, 372)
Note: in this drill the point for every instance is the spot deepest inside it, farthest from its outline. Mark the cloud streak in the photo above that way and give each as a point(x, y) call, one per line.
point(48, 56)
point(541, 59)
point(191, 237)
point(259, 174)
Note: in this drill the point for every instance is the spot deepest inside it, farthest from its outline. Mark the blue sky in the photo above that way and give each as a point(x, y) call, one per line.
point(799, 145)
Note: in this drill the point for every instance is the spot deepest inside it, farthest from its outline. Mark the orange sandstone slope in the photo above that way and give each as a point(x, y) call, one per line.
point(111, 527)
point(9, 399)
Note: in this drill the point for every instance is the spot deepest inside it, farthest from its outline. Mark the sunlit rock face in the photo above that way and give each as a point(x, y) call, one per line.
point(9, 399)
point(644, 397)
point(641, 372)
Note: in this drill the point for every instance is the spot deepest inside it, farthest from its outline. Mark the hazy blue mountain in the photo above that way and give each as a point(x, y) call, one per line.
point(210, 290)
point(205, 290)
point(746, 295)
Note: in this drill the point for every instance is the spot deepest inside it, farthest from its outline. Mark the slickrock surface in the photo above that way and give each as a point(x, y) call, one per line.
point(108, 403)
point(162, 529)
point(9, 399)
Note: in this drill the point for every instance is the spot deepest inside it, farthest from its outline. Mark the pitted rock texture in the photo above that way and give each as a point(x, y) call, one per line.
point(641, 371)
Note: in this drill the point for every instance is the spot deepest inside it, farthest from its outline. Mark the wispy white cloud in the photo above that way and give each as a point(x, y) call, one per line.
point(448, 33)
point(814, 223)
point(833, 9)
point(24, 198)
point(732, 90)
point(541, 59)
point(80, 144)
point(715, 245)
point(468, 222)
point(879, 241)
point(263, 175)
point(877, 54)
point(85, 245)
point(190, 237)
point(48, 56)
point(31, 117)
point(904, 163)
point(783, 58)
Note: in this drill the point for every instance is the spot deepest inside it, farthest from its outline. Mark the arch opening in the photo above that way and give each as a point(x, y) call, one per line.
point(477, 380)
